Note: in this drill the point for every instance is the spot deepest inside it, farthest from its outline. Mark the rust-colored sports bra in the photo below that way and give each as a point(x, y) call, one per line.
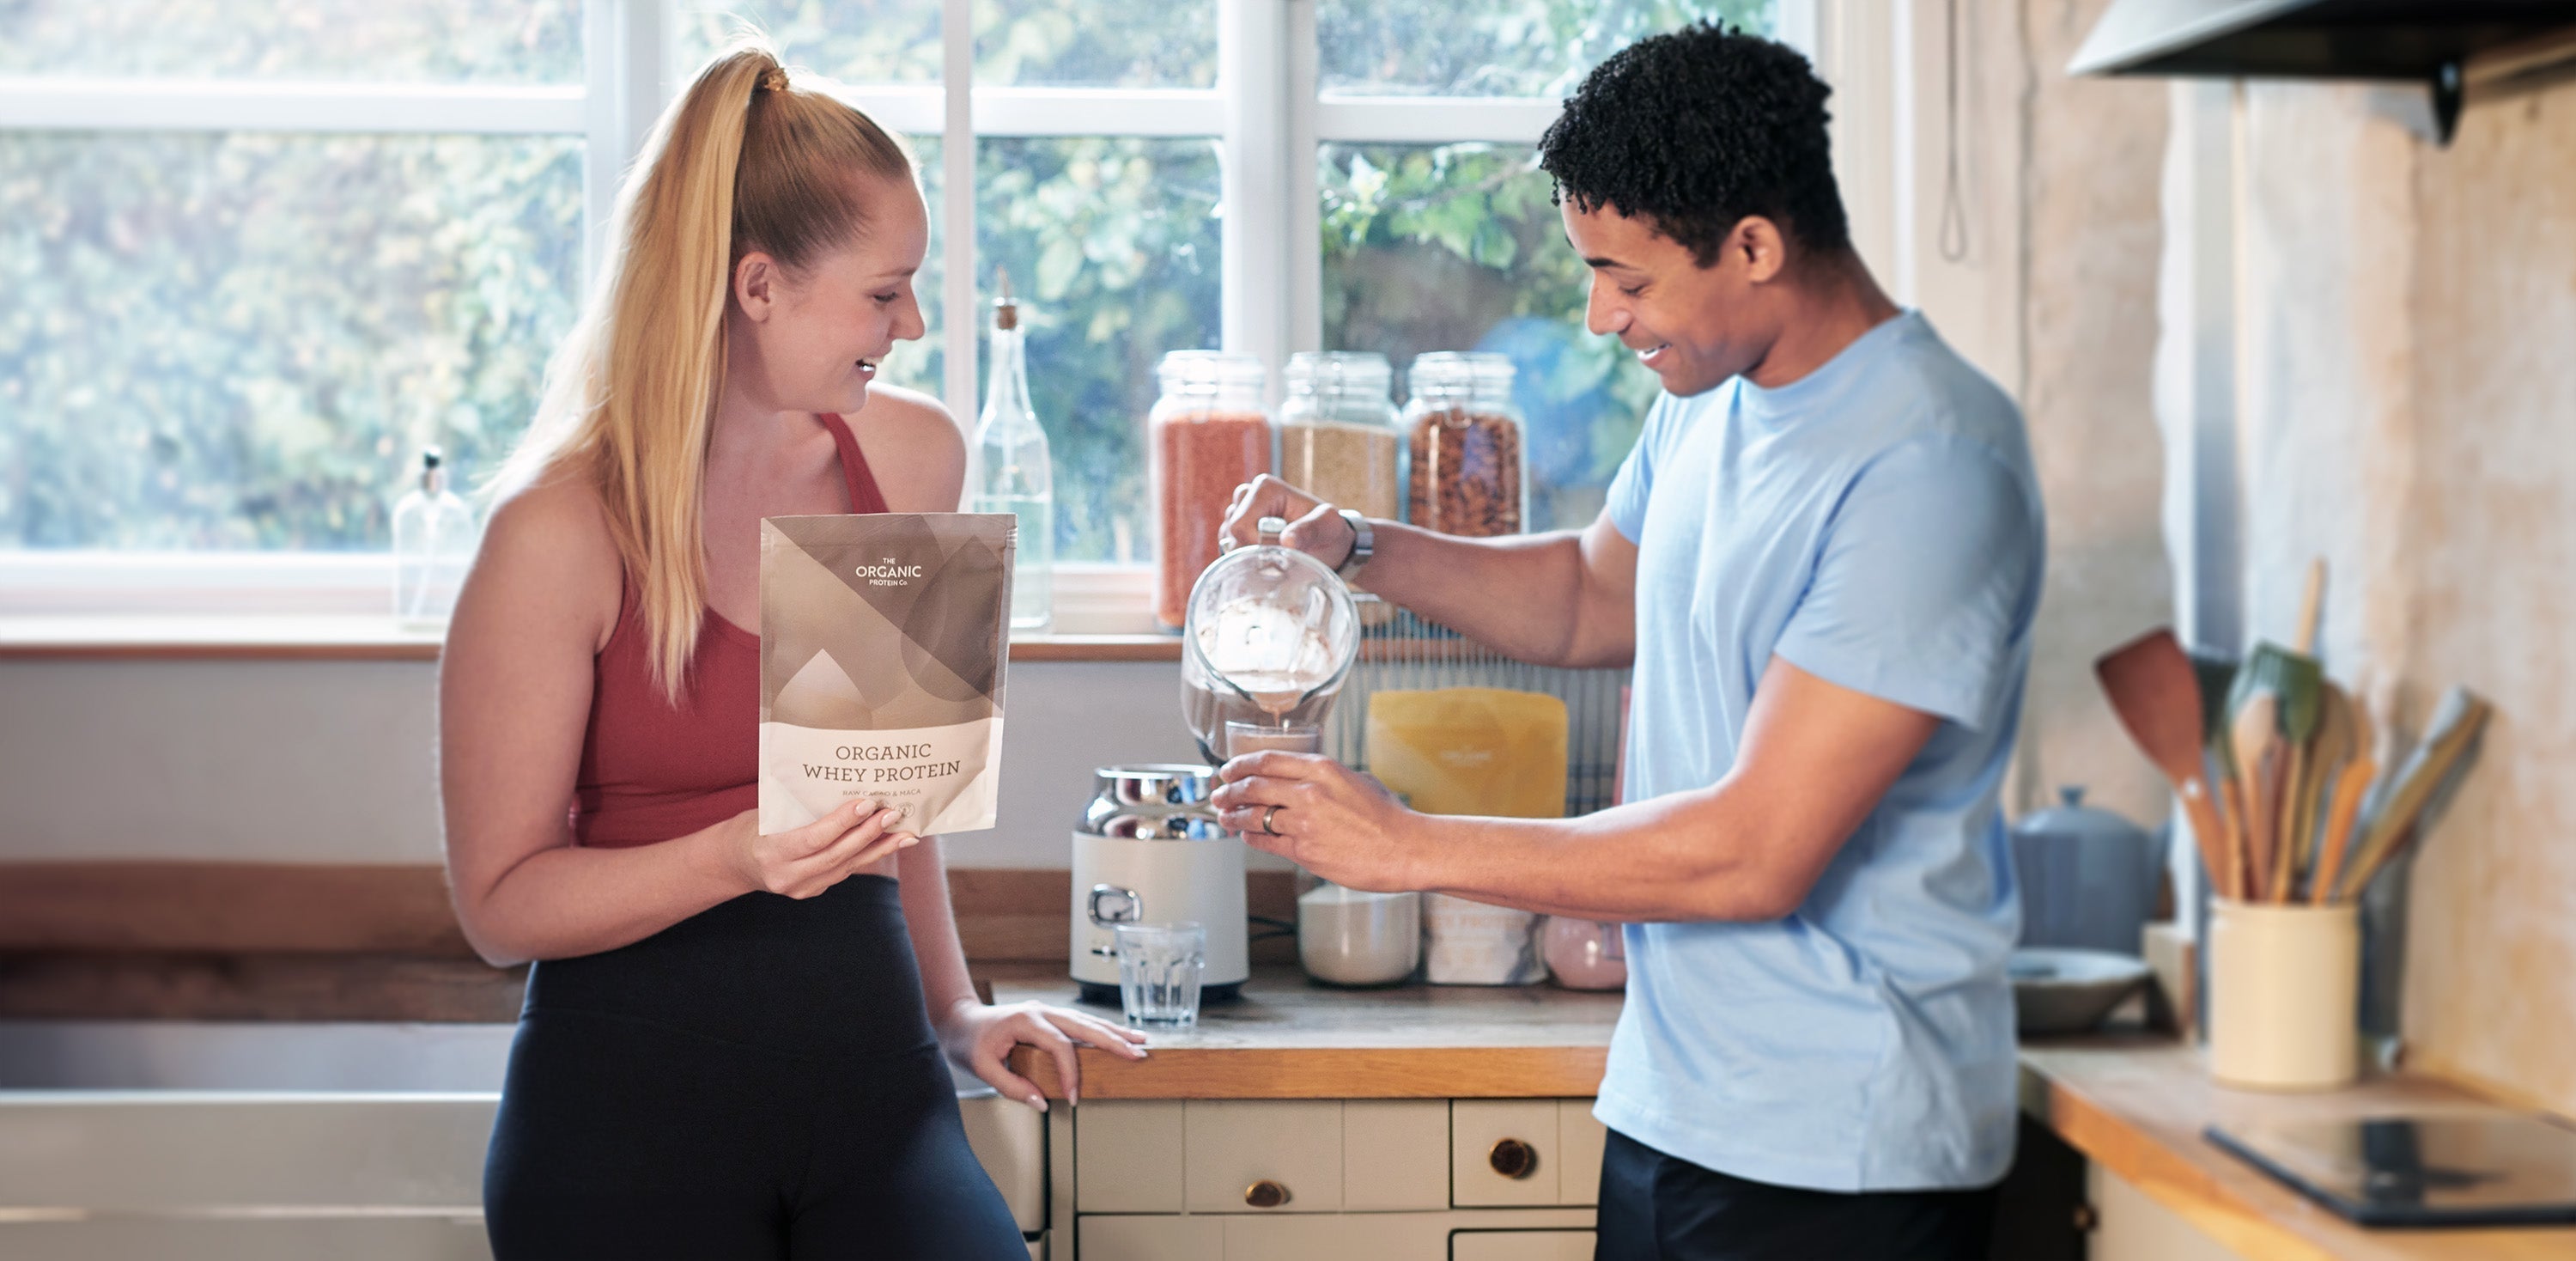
point(650, 772)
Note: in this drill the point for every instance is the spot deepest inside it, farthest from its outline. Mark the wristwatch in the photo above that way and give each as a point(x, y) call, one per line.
point(1363, 544)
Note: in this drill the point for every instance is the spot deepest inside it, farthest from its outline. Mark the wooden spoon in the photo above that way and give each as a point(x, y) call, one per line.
point(2156, 694)
point(2328, 754)
point(2256, 737)
point(2350, 784)
point(2456, 722)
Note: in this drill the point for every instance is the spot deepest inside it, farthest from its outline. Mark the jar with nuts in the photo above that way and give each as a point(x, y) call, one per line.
point(1209, 434)
point(1470, 468)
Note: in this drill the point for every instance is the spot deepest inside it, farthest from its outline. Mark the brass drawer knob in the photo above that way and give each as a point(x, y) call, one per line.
point(1513, 1158)
point(1265, 1194)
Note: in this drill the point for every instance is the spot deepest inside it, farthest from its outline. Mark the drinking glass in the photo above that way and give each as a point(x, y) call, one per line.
point(1254, 737)
point(1159, 966)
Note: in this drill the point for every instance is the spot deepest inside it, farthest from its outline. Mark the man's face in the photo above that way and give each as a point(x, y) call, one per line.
point(1694, 326)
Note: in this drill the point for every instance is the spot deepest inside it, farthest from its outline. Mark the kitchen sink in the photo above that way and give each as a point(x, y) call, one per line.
point(284, 1140)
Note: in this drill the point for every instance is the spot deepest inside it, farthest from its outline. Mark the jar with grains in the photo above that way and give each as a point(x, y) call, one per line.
point(1339, 434)
point(1470, 472)
point(1208, 434)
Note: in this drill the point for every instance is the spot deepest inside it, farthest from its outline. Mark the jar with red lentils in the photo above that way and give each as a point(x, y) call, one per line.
point(1470, 467)
point(1208, 434)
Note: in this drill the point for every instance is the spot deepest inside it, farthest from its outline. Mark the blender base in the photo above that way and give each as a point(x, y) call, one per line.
point(1107, 995)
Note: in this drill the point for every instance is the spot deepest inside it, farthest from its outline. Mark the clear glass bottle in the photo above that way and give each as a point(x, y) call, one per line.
point(1208, 434)
point(1013, 471)
point(1470, 467)
point(1339, 438)
point(434, 541)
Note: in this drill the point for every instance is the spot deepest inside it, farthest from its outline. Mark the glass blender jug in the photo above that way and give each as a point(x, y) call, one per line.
point(1269, 637)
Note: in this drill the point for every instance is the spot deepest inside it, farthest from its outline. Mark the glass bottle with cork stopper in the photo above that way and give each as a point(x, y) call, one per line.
point(434, 541)
point(1012, 469)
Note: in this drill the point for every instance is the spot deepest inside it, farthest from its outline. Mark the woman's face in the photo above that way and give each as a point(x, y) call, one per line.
point(810, 339)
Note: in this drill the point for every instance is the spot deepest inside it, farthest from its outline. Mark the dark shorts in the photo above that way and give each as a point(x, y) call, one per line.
point(1656, 1207)
point(759, 1080)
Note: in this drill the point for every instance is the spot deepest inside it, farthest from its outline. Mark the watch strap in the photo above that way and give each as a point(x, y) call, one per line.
point(1363, 543)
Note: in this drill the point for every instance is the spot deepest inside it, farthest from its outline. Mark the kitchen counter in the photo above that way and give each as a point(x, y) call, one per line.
point(2135, 1104)
point(1288, 1038)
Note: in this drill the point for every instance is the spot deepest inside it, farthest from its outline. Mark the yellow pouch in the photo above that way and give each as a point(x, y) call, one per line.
point(1471, 750)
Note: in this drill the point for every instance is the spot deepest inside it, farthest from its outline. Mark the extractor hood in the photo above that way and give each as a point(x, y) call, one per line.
point(2421, 41)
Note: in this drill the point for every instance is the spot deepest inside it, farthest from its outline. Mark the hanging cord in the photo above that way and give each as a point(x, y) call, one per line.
point(1954, 209)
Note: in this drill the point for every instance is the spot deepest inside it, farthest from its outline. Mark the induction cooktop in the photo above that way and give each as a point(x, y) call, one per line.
point(2472, 1169)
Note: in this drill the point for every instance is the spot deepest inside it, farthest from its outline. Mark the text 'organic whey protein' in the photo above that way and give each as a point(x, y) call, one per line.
point(883, 641)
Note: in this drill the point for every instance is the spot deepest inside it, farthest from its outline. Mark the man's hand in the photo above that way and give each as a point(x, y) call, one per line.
point(1314, 527)
point(1323, 816)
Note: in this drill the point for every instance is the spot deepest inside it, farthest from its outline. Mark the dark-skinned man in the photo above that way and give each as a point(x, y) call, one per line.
point(1822, 561)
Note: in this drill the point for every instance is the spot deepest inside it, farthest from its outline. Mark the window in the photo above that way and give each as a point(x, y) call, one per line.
point(253, 257)
point(231, 302)
point(1439, 232)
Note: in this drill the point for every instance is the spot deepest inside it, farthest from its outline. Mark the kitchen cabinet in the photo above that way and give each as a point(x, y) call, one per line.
point(1274, 1155)
point(1521, 1245)
point(1458, 1235)
point(1383, 1179)
point(1525, 1152)
point(2128, 1226)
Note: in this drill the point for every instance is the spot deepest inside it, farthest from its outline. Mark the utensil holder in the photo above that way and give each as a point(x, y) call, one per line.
point(2284, 994)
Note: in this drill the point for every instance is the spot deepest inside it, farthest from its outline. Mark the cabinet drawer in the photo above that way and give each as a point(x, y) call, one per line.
point(1313, 1237)
point(1579, 1138)
point(1395, 1155)
point(1127, 1156)
point(1503, 1153)
point(1292, 1145)
point(1519, 1245)
point(1151, 1238)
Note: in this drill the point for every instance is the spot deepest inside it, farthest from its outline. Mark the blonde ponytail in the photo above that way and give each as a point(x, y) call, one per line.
point(742, 161)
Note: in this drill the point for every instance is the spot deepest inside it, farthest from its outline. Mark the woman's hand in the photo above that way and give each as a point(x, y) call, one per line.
point(1323, 816)
point(981, 1038)
point(802, 862)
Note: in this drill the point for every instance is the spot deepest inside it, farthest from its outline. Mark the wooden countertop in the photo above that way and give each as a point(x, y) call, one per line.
point(2136, 1105)
point(1288, 1038)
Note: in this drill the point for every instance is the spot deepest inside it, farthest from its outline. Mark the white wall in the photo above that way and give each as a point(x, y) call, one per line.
point(330, 761)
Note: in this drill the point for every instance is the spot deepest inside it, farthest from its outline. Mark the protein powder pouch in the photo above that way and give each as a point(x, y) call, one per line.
point(884, 641)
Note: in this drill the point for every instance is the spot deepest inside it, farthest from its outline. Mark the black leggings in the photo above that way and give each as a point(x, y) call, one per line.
point(759, 1080)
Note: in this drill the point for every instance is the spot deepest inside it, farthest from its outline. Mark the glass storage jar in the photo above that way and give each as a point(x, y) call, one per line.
point(1338, 432)
point(1470, 468)
point(1208, 434)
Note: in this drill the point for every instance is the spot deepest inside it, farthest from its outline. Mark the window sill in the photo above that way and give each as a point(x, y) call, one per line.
point(350, 638)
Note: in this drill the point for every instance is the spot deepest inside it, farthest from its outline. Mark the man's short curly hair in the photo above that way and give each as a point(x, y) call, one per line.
point(1697, 129)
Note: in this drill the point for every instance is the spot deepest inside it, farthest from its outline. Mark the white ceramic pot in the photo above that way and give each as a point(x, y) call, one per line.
point(2284, 995)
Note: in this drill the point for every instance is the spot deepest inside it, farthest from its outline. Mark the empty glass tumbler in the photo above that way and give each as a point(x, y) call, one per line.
point(1159, 966)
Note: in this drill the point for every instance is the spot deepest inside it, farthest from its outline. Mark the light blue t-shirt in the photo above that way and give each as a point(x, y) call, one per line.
point(1878, 525)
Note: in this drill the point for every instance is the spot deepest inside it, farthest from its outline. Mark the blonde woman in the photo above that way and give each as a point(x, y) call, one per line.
point(733, 1044)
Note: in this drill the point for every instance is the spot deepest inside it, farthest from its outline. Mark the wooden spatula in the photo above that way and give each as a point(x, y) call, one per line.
point(2256, 738)
point(2457, 720)
point(2157, 696)
point(2328, 754)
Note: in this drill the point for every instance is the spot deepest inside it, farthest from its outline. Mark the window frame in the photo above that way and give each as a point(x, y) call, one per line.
point(1270, 119)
